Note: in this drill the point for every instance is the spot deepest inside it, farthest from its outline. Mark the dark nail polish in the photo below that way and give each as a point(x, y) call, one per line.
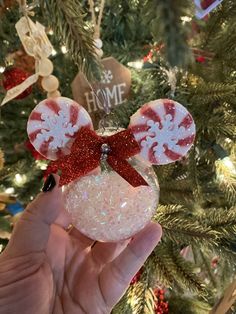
point(49, 184)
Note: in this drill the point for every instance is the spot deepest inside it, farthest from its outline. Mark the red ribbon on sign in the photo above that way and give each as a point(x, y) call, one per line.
point(87, 153)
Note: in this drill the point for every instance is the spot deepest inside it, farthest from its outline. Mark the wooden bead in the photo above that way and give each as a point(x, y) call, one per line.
point(50, 83)
point(45, 67)
point(99, 52)
point(98, 43)
point(54, 94)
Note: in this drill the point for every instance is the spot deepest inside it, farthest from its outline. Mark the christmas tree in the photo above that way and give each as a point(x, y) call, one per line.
point(171, 54)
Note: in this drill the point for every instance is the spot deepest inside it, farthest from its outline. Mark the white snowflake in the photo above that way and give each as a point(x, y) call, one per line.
point(107, 77)
point(169, 134)
point(55, 128)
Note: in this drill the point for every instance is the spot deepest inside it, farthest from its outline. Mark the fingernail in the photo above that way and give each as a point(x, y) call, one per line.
point(49, 184)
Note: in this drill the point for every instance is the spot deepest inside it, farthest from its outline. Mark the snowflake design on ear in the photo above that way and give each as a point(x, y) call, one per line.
point(53, 124)
point(56, 129)
point(169, 133)
point(164, 130)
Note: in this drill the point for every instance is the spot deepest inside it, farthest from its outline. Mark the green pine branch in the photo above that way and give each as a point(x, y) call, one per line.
point(221, 220)
point(180, 304)
point(138, 299)
point(173, 270)
point(181, 226)
point(208, 92)
point(67, 20)
point(229, 189)
point(164, 18)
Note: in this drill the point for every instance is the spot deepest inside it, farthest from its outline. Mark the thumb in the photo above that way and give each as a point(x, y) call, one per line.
point(31, 232)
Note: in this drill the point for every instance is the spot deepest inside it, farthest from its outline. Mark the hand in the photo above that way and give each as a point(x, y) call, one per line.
point(45, 269)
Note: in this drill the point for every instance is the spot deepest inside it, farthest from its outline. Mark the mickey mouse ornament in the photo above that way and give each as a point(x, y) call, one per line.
point(109, 186)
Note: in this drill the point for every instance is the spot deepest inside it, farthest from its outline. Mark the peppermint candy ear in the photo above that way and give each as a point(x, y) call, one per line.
point(53, 124)
point(165, 131)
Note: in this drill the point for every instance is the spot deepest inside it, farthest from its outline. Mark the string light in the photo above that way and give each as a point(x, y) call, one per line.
point(20, 179)
point(185, 19)
point(227, 162)
point(41, 164)
point(138, 64)
point(2, 69)
point(10, 190)
point(54, 52)
point(64, 49)
point(228, 140)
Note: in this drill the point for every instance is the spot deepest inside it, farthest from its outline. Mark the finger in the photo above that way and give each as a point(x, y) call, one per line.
point(81, 238)
point(32, 230)
point(103, 253)
point(63, 219)
point(116, 276)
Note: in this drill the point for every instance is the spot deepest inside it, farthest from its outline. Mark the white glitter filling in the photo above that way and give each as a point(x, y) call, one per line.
point(107, 208)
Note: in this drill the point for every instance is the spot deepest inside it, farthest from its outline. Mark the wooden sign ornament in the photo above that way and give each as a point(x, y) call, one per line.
point(111, 91)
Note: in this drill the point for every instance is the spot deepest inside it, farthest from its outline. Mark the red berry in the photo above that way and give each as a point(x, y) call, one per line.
point(201, 59)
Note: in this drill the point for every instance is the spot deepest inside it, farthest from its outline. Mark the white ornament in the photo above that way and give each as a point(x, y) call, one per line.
point(105, 207)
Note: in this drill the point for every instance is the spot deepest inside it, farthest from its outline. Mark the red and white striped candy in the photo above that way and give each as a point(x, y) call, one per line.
point(164, 129)
point(53, 124)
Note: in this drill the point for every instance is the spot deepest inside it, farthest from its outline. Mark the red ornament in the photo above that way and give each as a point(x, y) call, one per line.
point(34, 152)
point(13, 77)
point(201, 59)
point(87, 151)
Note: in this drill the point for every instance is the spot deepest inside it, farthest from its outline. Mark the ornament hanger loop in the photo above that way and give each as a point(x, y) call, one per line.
point(172, 80)
point(96, 21)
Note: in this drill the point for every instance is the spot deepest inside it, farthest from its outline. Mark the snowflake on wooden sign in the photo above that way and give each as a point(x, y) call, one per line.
point(107, 77)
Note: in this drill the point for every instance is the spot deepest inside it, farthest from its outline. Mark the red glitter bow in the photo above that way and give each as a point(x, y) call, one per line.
point(86, 154)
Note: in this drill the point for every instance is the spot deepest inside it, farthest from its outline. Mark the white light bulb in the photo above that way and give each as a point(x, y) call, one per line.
point(20, 179)
point(228, 140)
point(54, 52)
point(2, 69)
point(229, 165)
point(136, 64)
point(185, 19)
point(41, 164)
point(10, 190)
point(64, 49)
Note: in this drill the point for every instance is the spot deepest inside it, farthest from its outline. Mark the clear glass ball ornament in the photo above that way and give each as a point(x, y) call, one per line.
point(105, 207)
